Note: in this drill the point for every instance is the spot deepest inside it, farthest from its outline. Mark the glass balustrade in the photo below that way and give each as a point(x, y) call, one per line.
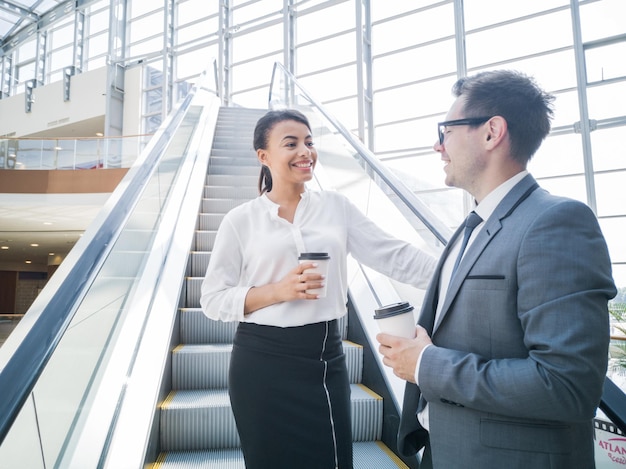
point(94, 351)
point(84, 153)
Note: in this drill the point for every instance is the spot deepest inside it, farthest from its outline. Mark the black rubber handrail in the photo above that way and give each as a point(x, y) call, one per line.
point(613, 404)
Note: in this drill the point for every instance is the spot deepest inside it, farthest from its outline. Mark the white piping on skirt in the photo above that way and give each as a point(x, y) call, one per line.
point(330, 406)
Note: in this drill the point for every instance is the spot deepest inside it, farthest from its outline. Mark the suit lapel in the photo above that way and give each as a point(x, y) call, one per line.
point(429, 306)
point(492, 226)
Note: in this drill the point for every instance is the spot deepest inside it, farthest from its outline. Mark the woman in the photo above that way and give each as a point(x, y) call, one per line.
point(288, 382)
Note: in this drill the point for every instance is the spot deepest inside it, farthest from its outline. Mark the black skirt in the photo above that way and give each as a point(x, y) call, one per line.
point(290, 395)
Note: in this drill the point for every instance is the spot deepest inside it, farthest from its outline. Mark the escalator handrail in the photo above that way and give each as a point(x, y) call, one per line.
point(613, 404)
point(410, 200)
point(23, 368)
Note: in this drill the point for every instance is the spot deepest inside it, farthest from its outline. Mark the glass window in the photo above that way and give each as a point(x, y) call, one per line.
point(607, 100)
point(603, 18)
point(246, 11)
point(402, 135)
point(332, 84)
point(153, 101)
point(93, 64)
point(558, 155)
point(534, 35)
point(261, 42)
point(146, 27)
point(421, 173)
point(606, 62)
point(414, 64)
point(254, 98)
point(98, 21)
point(147, 47)
point(413, 100)
point(382, 9)
point(413, 29)
point(255, 73)
point(195, 62)
point(609, 203)
point(424, 175)
point(25, 72)
point(609, 152)
point(566, 109)
point(97, 45)
point(338, 50)
point(61, 36)
point(27, 51)
point(572, 187)
point(62, 58)
point(325, 22)
point(480, 13)
point(192, 10)
point(138, 8)
point(613, 230)
point(344, 112)
point(197, 31)
point(552, 71)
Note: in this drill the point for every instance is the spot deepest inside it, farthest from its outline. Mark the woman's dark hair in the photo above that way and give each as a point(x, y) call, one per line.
point(262, 133)
point(514, 96)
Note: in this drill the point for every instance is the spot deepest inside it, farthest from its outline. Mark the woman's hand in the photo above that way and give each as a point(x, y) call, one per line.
point(296, 282)
point(292, 287)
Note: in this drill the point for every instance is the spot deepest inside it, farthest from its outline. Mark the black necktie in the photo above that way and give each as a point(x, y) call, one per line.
point(471, 222)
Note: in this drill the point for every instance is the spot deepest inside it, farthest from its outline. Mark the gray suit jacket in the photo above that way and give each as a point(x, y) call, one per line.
point(521, 348)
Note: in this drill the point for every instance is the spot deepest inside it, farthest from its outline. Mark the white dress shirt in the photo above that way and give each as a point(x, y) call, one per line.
point(254, 246)
point(484, 210)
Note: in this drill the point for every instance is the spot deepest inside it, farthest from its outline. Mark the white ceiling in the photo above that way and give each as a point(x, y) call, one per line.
point(53, 221)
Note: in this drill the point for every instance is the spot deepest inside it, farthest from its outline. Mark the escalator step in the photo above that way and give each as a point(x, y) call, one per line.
point(200, 419)
point(205, 366)
point(367, 455)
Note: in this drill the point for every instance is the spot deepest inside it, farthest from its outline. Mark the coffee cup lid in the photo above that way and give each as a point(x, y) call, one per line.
point(392, 310)
point(313, 256)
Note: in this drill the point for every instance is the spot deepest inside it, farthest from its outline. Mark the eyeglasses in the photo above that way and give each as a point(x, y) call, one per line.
point(441, 127)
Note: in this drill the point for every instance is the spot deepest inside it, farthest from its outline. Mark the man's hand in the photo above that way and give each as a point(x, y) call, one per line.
point(402, 354)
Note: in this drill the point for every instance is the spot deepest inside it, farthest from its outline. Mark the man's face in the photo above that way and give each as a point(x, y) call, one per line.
point(462, 150)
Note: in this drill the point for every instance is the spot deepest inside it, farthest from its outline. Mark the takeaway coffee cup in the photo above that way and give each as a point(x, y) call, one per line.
point(396, 319)
point(321, 259)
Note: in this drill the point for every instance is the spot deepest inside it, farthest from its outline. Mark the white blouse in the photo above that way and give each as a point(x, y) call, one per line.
point(254, 246)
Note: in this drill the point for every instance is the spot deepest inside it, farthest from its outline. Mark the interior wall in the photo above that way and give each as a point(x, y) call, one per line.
point(89, 181)
point(8, 286)
point(133, 87)
point(49, 110)
point(57, 118)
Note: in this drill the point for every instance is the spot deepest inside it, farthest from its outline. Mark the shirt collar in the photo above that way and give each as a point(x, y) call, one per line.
point(489, 203)
point(273, 207)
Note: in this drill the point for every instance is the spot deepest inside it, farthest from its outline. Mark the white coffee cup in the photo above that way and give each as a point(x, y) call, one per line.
point(321, 259)
point(396, 319)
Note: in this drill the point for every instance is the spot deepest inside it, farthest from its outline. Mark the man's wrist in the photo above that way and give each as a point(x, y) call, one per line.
point(418, 363)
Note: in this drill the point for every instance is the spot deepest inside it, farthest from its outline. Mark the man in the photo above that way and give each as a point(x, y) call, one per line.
point(511, 349)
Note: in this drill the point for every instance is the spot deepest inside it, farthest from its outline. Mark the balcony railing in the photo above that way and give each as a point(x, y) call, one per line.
point(64, 153)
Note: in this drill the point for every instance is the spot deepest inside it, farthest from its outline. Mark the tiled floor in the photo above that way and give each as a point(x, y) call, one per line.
point(6, 327)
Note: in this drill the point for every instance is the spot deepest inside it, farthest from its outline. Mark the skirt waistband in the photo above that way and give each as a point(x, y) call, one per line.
point(318, 340)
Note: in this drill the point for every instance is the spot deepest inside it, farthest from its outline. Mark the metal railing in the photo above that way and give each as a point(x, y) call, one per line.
point(72, 154)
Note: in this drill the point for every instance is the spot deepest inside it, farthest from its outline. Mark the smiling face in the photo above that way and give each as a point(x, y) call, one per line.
point(290, 154)
point(462, 151)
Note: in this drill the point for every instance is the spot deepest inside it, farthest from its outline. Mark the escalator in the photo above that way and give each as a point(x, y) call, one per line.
point(196, 424)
